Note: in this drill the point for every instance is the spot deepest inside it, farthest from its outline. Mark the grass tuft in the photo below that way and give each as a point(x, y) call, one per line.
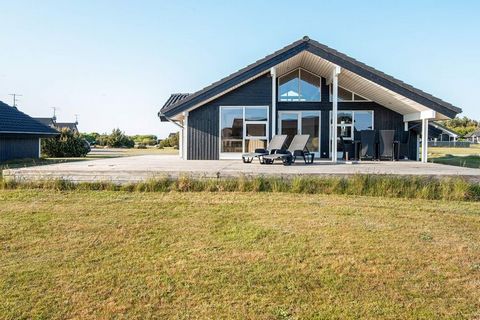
point(457, 189)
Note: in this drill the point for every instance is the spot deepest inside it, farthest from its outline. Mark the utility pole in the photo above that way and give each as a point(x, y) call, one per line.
point(76, 118)
point(15, 95)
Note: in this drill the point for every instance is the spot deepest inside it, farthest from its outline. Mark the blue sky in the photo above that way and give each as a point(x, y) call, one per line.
point(115, 62)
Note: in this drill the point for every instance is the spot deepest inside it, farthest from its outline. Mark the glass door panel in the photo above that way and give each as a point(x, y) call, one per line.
point(311, 126)
point(289, 125)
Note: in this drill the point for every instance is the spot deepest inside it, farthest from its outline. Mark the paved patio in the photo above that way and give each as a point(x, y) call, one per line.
point(139, 168)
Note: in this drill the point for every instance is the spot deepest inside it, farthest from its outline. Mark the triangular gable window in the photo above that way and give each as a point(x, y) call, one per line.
point(299, 85)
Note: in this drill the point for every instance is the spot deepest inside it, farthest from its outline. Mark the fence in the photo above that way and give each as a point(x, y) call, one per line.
point(449, 144)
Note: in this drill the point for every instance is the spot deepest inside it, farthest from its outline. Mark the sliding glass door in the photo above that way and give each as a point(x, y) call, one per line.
point(301, 122)
point(242, 130)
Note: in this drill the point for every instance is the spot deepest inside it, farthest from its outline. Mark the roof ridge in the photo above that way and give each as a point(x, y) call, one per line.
point(305, 43)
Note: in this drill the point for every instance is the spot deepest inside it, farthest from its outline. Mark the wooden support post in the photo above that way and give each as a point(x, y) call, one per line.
point(336, 72)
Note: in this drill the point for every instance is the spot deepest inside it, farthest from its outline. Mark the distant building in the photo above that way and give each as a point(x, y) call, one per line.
point(52, 123)
point(438, 132)
point(20, 134)
point(473, 137)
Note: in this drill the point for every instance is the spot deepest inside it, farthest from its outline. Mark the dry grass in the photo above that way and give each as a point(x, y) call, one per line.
point(101, 254)
point(460, 157)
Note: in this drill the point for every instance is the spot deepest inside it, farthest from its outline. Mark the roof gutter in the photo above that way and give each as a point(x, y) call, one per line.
point(164, 118)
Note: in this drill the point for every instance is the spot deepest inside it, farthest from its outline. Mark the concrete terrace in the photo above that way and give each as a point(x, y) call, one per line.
point(140, 168)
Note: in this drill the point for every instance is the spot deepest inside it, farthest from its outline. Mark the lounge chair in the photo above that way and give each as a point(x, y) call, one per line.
point(277, 143)
point(386, 145)
point(297, 148)
point(367, 144)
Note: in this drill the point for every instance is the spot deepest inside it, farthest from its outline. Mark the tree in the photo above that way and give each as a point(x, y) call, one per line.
point(67, 144)
point(91, 137)
point(117, 139)
point(146, 139)
point(463, 125)
point(171, 141)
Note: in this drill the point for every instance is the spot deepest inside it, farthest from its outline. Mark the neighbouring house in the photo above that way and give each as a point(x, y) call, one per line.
point(298, 90)
point(473, 137)
point(438, 132)
point(20, 134)
point(52, 122)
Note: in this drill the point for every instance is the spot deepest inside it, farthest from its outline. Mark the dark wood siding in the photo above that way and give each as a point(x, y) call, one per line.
point(18, 148)
point(203, 133)
point(203, 122)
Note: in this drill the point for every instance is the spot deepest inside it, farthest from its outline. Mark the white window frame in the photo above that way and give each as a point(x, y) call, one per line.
point(352, 125)
point(237, 155)
point(299, 127)
point(353, 95)
point(298, 70)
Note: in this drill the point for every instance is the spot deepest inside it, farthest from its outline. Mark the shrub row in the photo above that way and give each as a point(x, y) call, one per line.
point(363, 185)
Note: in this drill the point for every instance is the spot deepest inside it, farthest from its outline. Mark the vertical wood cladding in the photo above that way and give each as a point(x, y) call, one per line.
point(18, 148)
point(203, 122)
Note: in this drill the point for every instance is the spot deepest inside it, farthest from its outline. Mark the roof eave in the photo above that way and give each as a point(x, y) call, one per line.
point(324, 52)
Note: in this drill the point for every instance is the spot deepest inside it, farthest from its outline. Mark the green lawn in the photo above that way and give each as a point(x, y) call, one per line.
point(101, 254)
point(462, 157)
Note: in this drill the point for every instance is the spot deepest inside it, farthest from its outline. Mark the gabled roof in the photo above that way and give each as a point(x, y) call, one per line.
point(475, 133)
point(174, 98)
point(46, 121)
point(316, 48)
point(13, 121)
point(444, 129)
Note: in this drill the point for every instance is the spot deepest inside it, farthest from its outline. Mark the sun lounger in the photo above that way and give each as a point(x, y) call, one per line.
point(277, 143)
point(297, 148)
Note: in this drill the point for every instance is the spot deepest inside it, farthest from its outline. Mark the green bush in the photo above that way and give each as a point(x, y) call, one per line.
point(146, 139)
point(170, 142)
point(91, 137)
point(117, 139)
point(67, 144)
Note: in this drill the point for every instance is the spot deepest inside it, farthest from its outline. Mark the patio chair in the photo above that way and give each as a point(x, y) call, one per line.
point(277, 143)
point(386, 145)
point(367, 144)
point(347, 147)
point(297, 148)
point(404, 146)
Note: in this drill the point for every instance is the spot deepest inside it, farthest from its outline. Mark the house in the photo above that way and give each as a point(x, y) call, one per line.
point(52, 122)
point(438, 132)
point(299, 89)
point(473, 137)
point(20, 134)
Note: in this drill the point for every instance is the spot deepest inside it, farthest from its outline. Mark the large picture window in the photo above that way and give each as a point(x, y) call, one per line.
point(243, 129)
point(351, 122)
point(299, 85)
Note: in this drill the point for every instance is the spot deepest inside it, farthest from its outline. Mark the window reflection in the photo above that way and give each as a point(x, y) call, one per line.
point(299, 85)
